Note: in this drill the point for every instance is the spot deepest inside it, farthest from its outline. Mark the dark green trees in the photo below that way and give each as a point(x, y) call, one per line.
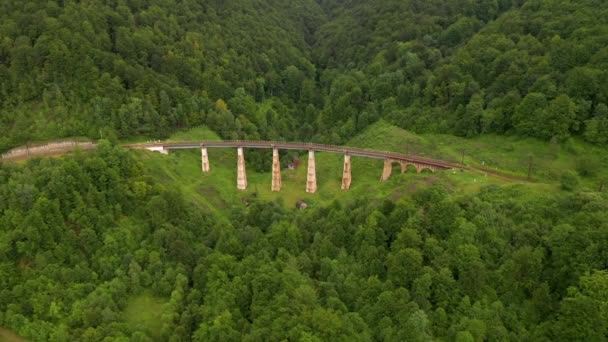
point(326, 72)
point(503, 263)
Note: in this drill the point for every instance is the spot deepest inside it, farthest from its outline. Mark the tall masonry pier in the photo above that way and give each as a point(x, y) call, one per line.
point(276, 170)
point(311, 178)
point(386, 172)
point(346, 174)
point(204, 159)
point(241, 176)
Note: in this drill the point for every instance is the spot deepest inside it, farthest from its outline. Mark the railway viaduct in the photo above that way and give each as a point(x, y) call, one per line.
point(389, 158)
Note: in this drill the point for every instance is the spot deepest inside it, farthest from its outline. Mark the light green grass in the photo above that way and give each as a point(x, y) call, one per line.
point(217, 189)
point(507, 154)
point(143, 313)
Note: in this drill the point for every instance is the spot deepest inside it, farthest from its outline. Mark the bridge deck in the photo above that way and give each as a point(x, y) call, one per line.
point(301, 146)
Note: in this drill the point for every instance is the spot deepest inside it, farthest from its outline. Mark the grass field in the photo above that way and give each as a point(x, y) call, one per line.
point(143, 313)
point(217, 189)
point(508, 154)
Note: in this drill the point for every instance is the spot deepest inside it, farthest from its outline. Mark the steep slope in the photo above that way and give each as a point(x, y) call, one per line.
point(100, 247)
point(535, 68)
point(303, 70)
point(144, 67)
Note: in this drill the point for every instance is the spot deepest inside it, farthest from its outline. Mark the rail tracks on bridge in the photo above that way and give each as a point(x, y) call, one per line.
point(353, 151)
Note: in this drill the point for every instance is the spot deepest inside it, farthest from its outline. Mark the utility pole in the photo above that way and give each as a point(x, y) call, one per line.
point(462, 161)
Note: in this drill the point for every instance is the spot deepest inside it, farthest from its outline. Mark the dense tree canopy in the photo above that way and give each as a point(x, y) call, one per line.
point(302, 69)
point(82, 235)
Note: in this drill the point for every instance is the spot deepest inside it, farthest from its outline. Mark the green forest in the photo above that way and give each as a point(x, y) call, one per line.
point(303, 70)
point(120, 245)
point(83, 235)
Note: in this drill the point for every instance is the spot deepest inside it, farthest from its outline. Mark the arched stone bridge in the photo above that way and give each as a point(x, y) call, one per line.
point(404, 160)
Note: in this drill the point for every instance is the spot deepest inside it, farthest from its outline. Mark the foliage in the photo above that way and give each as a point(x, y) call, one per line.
point(86, 241)
point(302, 69)
point(588, 167)
point(468, 68)
point(569, 181)
point(149, 67)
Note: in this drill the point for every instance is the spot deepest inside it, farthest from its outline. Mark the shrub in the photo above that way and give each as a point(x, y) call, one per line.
point(587, 167)
point(569, 181)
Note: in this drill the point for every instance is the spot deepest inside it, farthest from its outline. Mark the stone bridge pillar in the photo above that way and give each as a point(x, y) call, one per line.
point(241, 176)
point(346, 174)
point(204, 159)
point(388, 168)
point(311, 179)
point(276, 170)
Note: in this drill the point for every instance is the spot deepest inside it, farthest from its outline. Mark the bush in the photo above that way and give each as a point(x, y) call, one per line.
point(569, 181)
point(571, 147)
point(587, 167)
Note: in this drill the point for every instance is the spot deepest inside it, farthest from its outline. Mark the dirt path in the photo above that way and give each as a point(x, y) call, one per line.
point(55, 148)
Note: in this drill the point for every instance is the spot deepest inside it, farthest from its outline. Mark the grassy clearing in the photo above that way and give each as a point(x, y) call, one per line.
point(510, 155)
point(217, 191)
point(143, 313)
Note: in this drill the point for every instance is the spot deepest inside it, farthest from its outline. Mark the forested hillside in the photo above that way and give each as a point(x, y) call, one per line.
point(127, 68)
point(534, 68)
point(86, 238)
point(303, 70)
point(121, 245)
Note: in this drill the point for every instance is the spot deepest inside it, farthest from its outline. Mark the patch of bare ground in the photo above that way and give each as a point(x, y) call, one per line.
point(9, 336)
point(52, 149)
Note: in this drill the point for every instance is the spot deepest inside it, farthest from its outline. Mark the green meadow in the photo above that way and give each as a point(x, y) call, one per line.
point(216, 190)
point(144, 312)
point(509, 155)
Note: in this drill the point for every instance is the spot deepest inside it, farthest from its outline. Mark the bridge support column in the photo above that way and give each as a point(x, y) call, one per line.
point(241, 176)
point(346, 174)
point(403, 167)
point(388, 168)
point(276, 170)
point(311, 179)
point(204, 159)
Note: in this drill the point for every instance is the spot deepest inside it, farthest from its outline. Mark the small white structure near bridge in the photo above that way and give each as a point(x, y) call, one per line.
point(160, 149)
